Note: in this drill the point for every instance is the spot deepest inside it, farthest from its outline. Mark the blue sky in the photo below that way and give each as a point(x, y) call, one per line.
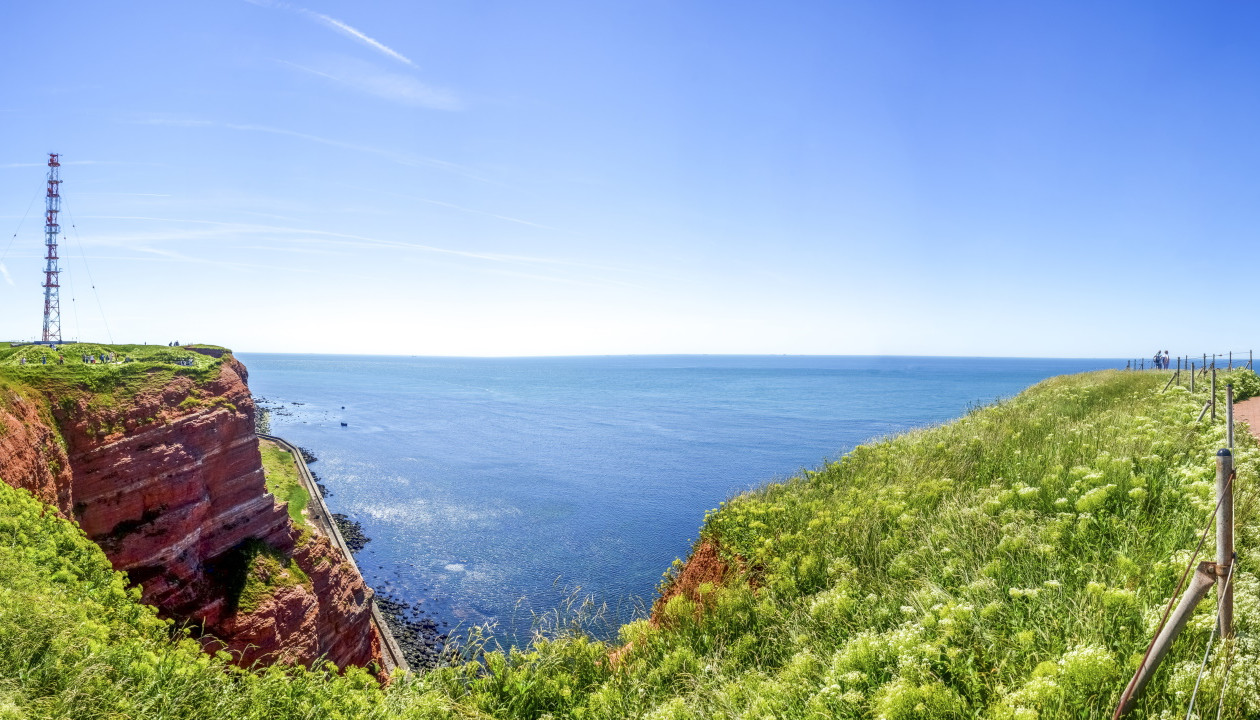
point(553, 178)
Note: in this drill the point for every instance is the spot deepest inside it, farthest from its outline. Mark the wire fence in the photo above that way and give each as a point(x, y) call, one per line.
point(1228, 360)
point(1219, 574)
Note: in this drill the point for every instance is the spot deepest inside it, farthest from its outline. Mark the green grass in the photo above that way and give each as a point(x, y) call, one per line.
point(1008, 563)
point(282, 480)
point(1011, 564)
point(151, 367)
point(75, 643)
point(260, 570)
point(101, 392)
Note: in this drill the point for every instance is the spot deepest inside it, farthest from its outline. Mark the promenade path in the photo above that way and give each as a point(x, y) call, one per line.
point(391, 653)
point(1248, 411)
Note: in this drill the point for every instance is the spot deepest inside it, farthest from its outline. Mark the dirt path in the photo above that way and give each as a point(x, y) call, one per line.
point(1248, 411)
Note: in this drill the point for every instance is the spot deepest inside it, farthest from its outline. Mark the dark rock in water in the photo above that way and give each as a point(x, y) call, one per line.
point(307, 455)
point(319, 483)
point(352, 532)
point(417, 635)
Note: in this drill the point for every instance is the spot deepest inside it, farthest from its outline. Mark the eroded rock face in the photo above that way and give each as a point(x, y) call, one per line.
point(301, 623)
point(173, 489)
point(31, 456)
point(168, 485)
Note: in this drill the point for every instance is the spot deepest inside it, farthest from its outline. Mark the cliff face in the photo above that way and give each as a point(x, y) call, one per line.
point(327, 616)
point(30, 455)
point(170, 484)
point(164, 491)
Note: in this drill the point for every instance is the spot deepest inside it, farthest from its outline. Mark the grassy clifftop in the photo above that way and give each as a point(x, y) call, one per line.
point(1010, 564)
point(126, 370)
point(102, 380)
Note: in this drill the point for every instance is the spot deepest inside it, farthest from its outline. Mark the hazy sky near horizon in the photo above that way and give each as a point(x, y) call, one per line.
point(552, 178)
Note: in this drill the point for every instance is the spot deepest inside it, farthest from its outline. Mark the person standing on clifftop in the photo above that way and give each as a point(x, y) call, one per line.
point(1167, 362)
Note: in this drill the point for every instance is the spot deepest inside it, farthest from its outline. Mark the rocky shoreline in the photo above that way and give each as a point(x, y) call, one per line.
point(422, 643)
point(418, 636)
point(351, 532)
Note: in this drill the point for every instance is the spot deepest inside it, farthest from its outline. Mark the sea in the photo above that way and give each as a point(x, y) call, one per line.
point(523, 494)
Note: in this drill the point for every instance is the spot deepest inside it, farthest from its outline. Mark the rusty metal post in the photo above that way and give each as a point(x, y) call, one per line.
point(1204, 578)
point(1225, 540)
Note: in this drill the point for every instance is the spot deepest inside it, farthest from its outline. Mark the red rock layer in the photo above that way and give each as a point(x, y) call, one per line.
point(322, 619)
point(705, 565)
point(170, 483)
point(30, 455)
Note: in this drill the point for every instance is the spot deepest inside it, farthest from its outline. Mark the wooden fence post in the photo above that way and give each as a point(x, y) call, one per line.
point(1204, 578)
point(1229, 414)
point(1213, 401)
point(1191, 377)
point(1225, 540)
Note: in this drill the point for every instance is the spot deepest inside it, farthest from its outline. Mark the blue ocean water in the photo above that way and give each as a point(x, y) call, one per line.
point(497, 489)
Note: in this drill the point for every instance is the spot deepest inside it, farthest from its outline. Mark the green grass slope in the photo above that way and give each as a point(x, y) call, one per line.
point(132, 368)
point(283, 481)
point(1011, 564)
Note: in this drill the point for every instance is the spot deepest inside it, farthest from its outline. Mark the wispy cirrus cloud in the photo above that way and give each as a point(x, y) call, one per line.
point(7, 277)
point(366, 77)
point(123, 194)
point(359, 35)
point(338, 25)
point(551, 269)
point(72, 162)
point(400, 158)
point(496, 216)
point(396, 87)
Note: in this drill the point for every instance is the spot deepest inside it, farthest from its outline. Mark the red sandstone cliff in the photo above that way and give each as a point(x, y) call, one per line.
point(329, 614)
point(169, 484)
point(30, 455)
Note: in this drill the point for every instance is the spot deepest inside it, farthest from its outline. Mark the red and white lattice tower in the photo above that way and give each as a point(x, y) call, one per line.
point(52, 272)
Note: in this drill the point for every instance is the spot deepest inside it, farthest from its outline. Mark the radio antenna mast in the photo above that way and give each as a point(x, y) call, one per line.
point(52, 271)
